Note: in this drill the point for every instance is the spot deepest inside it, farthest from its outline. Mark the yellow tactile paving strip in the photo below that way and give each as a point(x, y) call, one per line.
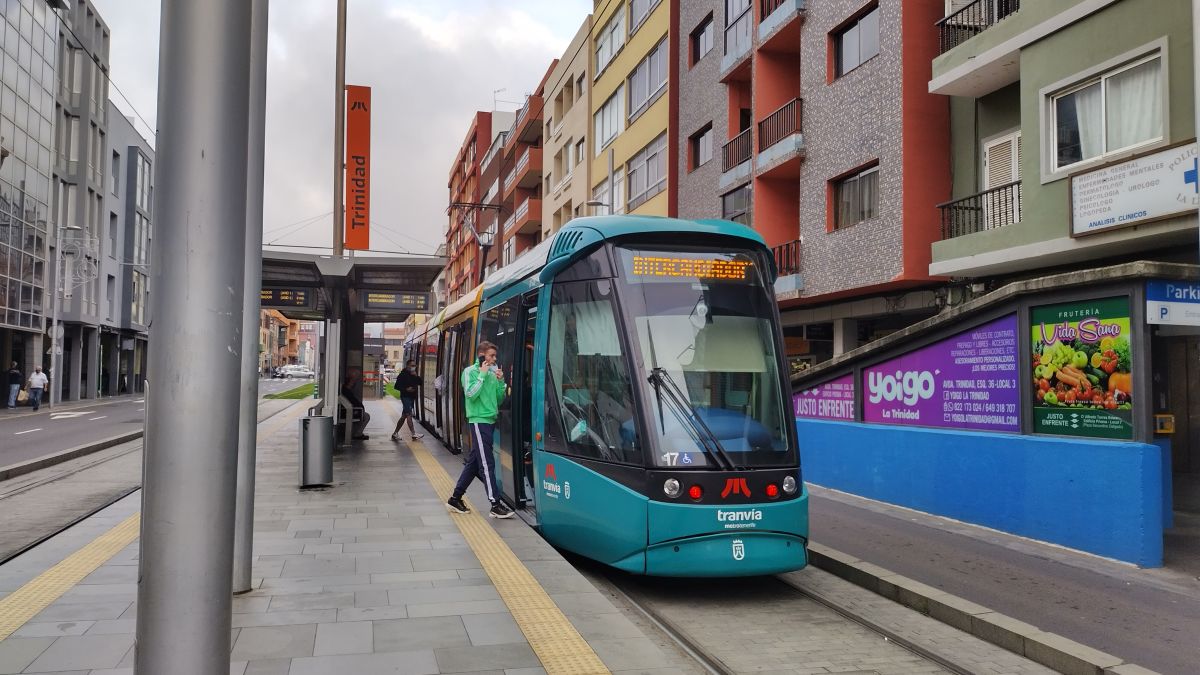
point(29, 600)
point(557, 644)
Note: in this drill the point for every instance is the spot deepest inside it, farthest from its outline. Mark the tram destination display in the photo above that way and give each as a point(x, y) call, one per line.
point(286, 298)
point(967, 381)
point(644, 265)
point(395, 300)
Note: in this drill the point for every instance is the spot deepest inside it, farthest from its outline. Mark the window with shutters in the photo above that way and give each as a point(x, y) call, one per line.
point(1001, 169)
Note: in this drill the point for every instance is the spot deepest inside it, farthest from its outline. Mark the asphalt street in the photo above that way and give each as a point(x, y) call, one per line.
point(26, 435)
point(1138, 615)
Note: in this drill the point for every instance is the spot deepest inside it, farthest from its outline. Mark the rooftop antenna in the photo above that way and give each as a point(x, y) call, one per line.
point(494, 99)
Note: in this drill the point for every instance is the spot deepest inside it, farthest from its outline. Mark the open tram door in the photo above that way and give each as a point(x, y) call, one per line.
point(511, 327)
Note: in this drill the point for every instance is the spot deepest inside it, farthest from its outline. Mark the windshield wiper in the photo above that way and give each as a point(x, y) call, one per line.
point(705, 438)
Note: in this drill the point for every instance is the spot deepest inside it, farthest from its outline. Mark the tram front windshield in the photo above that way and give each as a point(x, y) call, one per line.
point(702, 322)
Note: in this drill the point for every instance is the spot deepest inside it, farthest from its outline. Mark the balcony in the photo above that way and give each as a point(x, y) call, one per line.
point(735, 159)
point(735, 64)
point(528, 124)
point(527, 219)
point(986, 210)
point(780, 142)
point(778, 25)
point(788, 283)
point(972, 20)
point(508, 224)
point(529, 168)
point(510, 182)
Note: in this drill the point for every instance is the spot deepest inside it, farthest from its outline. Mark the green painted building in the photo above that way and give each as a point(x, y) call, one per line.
point(1072, 133)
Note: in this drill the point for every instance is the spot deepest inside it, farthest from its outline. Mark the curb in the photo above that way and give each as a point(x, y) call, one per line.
point(22, 468)
point(1049, 649)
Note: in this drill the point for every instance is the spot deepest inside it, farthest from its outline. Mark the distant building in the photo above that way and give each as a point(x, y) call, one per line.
point(567, 134)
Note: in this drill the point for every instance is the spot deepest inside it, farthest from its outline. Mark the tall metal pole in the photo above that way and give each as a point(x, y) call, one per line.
point(339, 131)
point(243, 529)
point(184, 585)
point(55, 345)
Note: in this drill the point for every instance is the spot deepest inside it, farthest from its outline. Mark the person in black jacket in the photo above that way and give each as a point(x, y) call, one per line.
point(15, 380)
point(408, 384)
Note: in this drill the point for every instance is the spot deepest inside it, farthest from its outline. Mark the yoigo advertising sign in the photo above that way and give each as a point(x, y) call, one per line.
point(1083, 369)
point(968, 381)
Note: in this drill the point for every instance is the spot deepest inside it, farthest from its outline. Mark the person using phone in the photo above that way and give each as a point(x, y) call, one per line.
point(483, 390)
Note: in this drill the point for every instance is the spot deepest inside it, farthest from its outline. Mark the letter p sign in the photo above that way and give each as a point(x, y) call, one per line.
point(1163, 310)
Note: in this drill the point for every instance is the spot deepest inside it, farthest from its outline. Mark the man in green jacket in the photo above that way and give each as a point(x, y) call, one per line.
point(483, 390)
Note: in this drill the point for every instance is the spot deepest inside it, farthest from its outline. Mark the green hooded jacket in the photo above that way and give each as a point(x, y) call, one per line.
point(483, 393)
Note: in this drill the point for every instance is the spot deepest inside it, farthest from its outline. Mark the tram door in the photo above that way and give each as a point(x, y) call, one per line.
point(516, 448)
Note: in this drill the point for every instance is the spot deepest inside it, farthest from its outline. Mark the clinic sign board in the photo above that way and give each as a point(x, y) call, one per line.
point(1175, 303)
point(967, 381)
point(1136, 191)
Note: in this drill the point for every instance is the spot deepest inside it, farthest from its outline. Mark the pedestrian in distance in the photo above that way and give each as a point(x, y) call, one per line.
point(15, 378)
point(408, 385)
point(483, 390)
point(37, 385)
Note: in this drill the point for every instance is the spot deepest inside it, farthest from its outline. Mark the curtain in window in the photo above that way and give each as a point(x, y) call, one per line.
point(868, 186)
point(1134, 105)
point(1079, 118)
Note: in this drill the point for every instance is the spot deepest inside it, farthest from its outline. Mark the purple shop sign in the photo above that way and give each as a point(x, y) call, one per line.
point(968, 381)
point(833, 400)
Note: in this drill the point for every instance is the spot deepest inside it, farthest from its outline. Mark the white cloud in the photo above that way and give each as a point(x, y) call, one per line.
point(430, 64)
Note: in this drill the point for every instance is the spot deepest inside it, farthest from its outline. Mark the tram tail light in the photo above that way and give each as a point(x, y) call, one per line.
point(772, 491)
point(789, 485)
point(695, 492)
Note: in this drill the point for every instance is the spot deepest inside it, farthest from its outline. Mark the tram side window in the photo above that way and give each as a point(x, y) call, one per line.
point(499, 326)
point(593, 396)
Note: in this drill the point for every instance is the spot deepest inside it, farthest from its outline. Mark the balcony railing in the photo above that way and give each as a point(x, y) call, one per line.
point(508, 224)
point(524, 160)
point(521, 210)
point(510, 179)
point(972, 20)
point(787, 258)
point(736, 151)
point(986, 210)
point(780, 124)
point(768, 7)
point(737, 34)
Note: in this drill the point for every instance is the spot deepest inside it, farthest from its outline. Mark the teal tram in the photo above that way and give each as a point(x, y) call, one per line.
point(649, 424)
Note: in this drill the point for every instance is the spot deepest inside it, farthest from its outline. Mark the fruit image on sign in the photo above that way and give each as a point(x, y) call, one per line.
point(1082, 366)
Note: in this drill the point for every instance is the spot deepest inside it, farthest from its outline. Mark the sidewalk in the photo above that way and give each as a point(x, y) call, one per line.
point(64, 406)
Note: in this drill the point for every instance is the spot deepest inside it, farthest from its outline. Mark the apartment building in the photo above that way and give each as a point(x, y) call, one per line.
point(525, 179)
point(812, 123)
point(81, 175)
point(567, 134)
point(465, 267)
point(29, 47)
point(495, 210)
point(633, 108)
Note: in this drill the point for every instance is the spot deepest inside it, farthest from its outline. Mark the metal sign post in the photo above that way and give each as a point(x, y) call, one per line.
point(184, 579)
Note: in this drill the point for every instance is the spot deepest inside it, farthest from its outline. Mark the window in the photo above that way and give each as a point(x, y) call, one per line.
point(735, 205)
point(648, 172)
point(579, 86)
point(609, 120)
point(639, 11)
point(1118, 110)
point(648, 79)
point(610, 40)
point(580, 149)
point(857, 42)
point(116, 172)
point(702, 39)
point(600, 192)
point(590, 395)
point(700, 147)
point(737, 26)
point(856, 197)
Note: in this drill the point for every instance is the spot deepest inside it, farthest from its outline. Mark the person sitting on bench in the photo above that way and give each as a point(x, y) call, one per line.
point(349, 393)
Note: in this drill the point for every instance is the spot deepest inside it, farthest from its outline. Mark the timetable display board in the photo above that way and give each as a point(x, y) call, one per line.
point(394, 300)
point(287, 298)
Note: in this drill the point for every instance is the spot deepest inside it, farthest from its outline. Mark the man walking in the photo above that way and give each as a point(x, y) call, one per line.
point(14, 384)
point(37, 384)
point(483, 390)
point(408, 383)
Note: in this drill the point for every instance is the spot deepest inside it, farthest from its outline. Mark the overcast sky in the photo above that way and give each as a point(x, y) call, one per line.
point(431, 64)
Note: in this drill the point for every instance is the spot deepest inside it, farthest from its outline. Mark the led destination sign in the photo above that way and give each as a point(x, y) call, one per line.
point(285, 297)
point(724, 269)
point(395, 300)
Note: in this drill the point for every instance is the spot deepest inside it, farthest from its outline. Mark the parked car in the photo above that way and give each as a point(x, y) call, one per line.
point(290, 372)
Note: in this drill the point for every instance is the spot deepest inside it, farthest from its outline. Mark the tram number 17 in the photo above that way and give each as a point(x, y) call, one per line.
point(676, 458)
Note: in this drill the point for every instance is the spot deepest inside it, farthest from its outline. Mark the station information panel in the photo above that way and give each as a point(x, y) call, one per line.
point(287, 298)
point(394, 300)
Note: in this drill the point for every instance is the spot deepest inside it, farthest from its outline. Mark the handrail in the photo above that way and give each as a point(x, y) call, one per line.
point(787, 258)
point(987, 210)
point(780, 124)
point(767, 7)
point(737, 32)
point(736, 151)
point(972, 20)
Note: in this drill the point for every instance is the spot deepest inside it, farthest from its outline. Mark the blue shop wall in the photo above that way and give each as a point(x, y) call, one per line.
point(1103, 497)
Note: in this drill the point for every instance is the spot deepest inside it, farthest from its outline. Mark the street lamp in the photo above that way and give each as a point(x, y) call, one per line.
point(56, 328)
point(485, 239)
point(596, 203)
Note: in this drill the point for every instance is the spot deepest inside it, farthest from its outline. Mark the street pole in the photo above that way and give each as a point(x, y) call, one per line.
point(339, 131)
point(243, 528)
point(186, 546)
point(55, 357)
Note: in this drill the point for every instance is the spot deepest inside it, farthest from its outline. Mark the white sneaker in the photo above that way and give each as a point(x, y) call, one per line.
point(417, 437)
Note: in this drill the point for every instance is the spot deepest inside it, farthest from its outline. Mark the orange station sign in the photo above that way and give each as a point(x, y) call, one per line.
point(357, 233)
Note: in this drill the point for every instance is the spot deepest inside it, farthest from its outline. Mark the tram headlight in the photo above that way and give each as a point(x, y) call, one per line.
point(671, 488)
point(789, 485)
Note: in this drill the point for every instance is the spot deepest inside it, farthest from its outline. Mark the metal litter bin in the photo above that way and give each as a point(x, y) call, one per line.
point(316, 450)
